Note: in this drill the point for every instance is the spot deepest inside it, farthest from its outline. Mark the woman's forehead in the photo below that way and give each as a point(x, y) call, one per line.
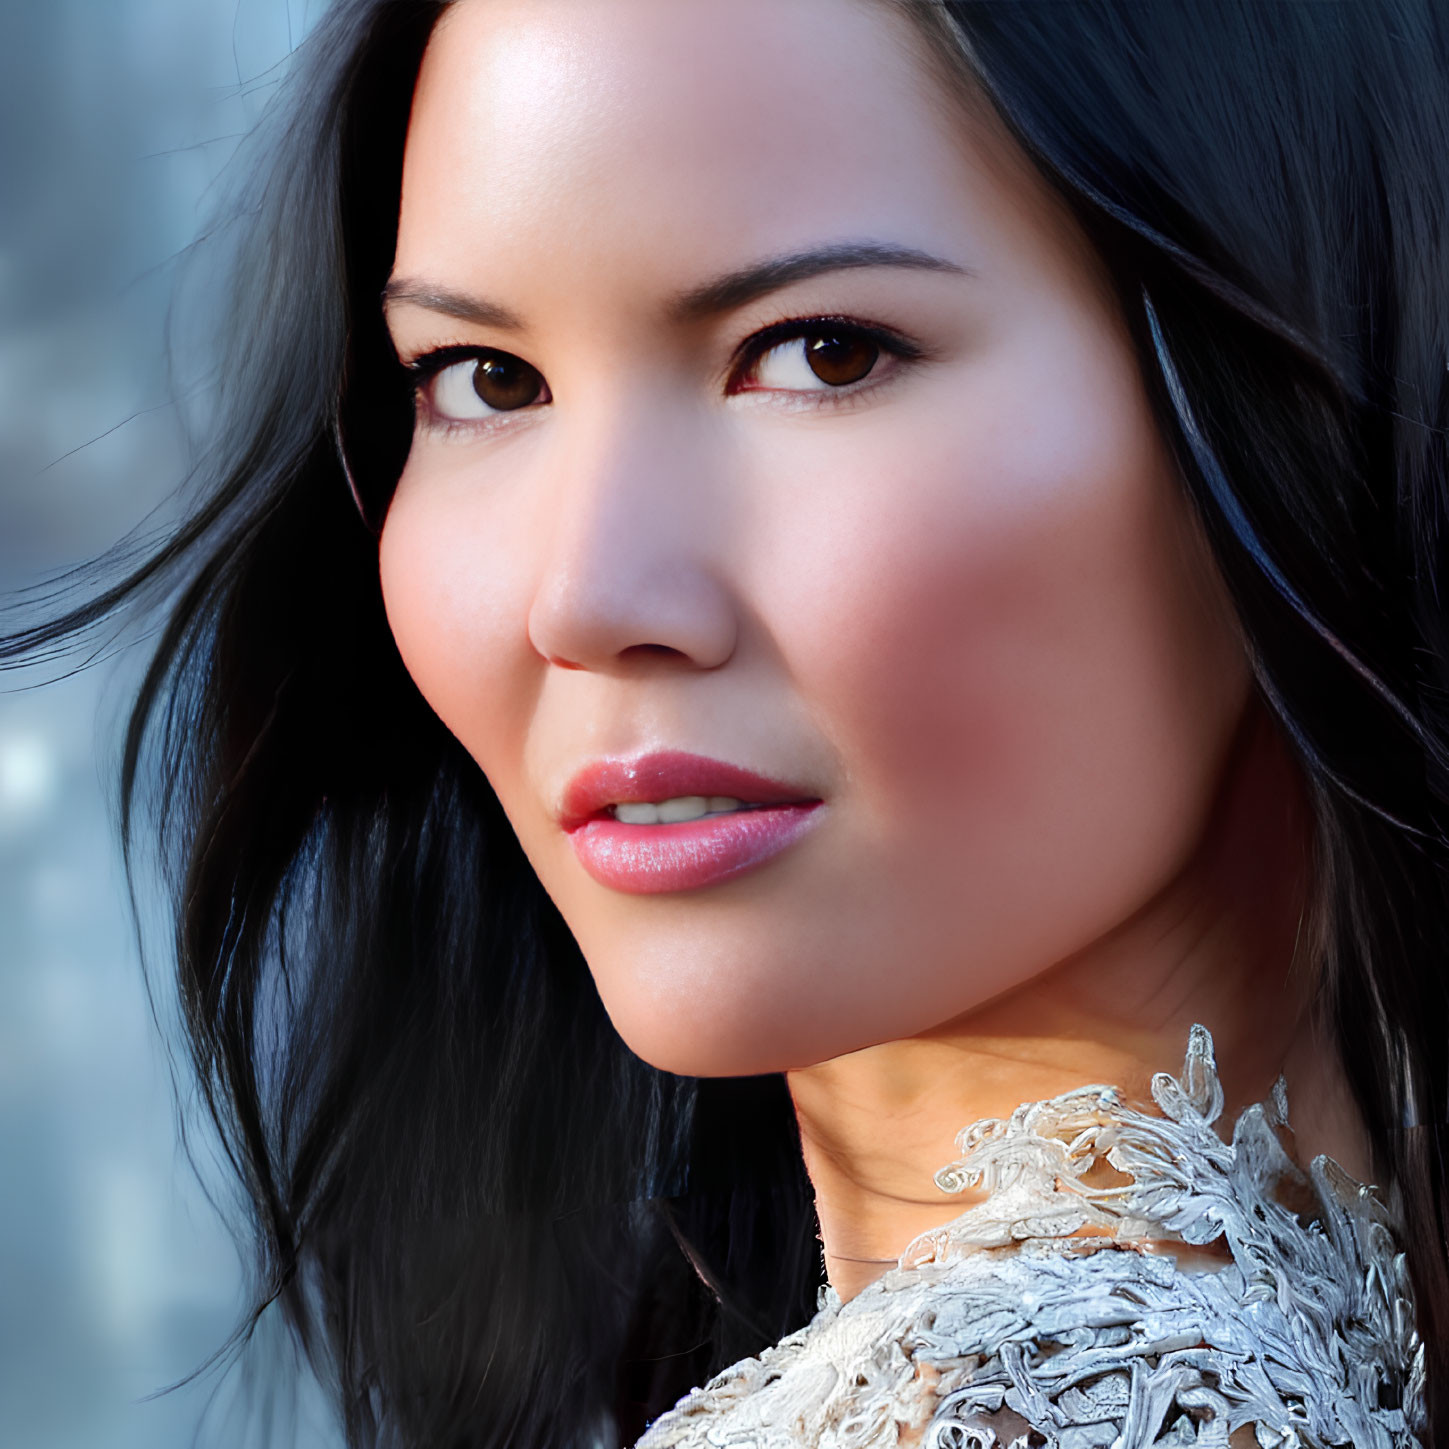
point(547, 133)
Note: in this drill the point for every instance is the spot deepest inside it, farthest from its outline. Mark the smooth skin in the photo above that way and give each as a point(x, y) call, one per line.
point(963, 599)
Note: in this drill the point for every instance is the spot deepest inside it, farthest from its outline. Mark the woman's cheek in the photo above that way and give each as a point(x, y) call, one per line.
point(1005, 646)
point(450, 591)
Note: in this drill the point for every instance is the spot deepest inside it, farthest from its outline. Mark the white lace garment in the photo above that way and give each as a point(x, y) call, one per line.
point(1000, 1329)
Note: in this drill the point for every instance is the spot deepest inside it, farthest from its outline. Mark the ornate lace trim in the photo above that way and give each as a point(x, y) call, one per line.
point(1003, 1329)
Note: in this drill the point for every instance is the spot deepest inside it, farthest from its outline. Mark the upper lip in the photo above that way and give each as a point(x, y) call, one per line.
point(664, 775)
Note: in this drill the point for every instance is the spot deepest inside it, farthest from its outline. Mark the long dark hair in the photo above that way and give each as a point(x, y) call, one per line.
point(486, 1221)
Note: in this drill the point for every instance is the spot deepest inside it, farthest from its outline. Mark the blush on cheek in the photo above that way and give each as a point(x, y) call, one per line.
point(421, 605)
point(447, 606)
point(1027, 681)
point(935, 646)
point(934, 683)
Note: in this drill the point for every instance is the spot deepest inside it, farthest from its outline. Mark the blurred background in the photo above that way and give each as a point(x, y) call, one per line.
point(117, 1276)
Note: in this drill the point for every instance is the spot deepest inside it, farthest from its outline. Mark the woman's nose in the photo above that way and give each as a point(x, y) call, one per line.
point(632, 560)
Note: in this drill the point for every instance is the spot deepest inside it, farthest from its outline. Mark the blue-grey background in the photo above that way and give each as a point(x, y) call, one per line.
point(116, 1275)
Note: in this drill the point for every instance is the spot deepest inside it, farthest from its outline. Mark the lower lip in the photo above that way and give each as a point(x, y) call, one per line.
point(651, 859)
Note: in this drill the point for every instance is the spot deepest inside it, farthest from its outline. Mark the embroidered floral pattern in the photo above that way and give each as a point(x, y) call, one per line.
point(1050, 1315)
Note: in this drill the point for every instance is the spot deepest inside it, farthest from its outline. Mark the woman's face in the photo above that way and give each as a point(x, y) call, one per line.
point(917, 557)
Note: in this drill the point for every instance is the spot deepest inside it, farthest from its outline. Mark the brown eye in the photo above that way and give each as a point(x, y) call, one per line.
point(476, 388)
point(834, 356)
point(505, 382)
point(840, 359)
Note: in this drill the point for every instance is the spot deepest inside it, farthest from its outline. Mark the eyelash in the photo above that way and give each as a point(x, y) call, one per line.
point(753, 349)
point(425, 367)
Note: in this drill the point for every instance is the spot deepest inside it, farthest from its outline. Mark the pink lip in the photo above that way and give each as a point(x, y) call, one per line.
point(648, 859)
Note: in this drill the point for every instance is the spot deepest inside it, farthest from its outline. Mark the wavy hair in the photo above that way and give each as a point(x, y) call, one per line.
point(488, 1223)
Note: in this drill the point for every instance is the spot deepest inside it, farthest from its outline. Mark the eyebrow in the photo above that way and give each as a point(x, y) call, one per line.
point(450, 304)
point(722, 294)
point(735, 289)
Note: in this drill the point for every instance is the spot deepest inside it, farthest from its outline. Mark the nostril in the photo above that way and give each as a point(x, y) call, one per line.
point(652, 649)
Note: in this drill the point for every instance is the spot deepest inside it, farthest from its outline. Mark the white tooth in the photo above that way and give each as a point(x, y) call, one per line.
point(682, 807)
point(673, 811)
point(636, 812)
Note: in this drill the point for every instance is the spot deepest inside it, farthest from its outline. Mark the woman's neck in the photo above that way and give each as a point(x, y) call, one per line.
point(1214, 946)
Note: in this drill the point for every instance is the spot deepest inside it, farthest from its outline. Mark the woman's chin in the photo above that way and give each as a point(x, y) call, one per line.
point(703, 1051)
point(713, 1036)
point(707, 1041)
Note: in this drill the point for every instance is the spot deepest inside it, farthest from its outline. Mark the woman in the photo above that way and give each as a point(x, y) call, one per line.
point(894, 580)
